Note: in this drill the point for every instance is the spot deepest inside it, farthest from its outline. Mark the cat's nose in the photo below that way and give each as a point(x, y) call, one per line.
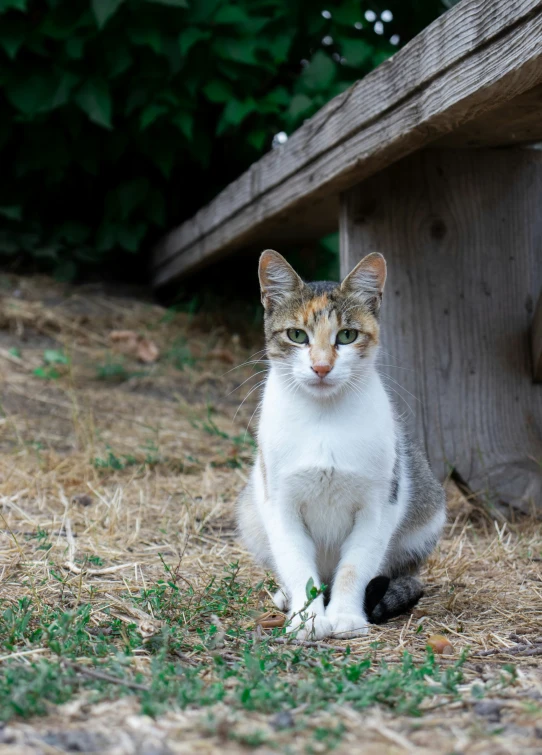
point(322, 369)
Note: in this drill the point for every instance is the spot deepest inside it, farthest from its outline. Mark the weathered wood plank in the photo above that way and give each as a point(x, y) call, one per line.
point(497, 69)
point(516, 122)
point(536, 338)
point(462, 235)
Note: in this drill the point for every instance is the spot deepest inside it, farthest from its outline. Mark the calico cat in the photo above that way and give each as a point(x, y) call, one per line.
point(338, 493)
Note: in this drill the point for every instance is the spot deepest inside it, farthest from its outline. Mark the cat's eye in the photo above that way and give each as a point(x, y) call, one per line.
point(297, 336)
point(348, 335)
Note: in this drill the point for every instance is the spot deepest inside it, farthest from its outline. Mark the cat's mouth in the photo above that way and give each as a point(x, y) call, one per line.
point(322, 385)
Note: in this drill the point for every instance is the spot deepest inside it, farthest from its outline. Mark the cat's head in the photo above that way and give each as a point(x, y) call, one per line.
point(323, 336)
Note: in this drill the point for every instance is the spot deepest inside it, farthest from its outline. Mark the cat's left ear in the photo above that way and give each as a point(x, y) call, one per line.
point(278, 279)
point(366, 281)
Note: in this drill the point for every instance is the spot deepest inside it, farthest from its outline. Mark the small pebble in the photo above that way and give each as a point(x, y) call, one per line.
point(283, 720)
point(490, 709)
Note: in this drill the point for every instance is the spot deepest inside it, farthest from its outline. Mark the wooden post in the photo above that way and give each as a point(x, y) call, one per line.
point(462, 233)
point(537, 342)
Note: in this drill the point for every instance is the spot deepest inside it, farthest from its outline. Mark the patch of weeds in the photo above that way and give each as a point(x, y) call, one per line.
point(118, 462)
point(52, 359)
point(37, 447)
point(15, 620)
point(54, 356)
point(209, 426)
point(26, 691)
point(94, 560)
point(255, 738)
point(169, 315)
point(242, 446)
point(329, 736)
point(47, 373)
point(152, 453)
point(15, 352)
point(202, 654)
point(189, 306)
point(180, 355)
point(42, 536)
point(113, 370)
point(113, 462)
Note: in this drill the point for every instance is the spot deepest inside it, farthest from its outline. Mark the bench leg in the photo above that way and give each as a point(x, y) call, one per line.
point(462, 233)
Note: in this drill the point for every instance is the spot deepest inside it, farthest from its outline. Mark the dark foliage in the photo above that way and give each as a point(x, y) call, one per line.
point(119, 118)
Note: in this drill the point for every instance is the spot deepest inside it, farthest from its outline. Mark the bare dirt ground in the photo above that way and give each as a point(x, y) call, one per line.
point(111, 468)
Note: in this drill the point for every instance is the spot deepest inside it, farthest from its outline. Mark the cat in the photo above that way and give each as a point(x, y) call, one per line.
point(338, 493)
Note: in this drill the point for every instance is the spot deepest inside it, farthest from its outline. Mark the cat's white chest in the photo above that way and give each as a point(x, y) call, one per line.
point(327, 500)
point(325, 458)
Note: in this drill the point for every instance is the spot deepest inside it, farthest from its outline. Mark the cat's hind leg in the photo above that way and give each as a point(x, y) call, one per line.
point(398, 589)
point(250, 526)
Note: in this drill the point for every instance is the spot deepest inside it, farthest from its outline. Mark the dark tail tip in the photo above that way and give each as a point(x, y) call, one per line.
point(376, 589)
point(385, 599)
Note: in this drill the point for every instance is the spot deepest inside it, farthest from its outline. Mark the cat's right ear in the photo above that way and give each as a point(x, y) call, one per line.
point(278, 279)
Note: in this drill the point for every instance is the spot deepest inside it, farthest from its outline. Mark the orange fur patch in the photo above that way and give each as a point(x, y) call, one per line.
point(346, 579)
point(323, 349)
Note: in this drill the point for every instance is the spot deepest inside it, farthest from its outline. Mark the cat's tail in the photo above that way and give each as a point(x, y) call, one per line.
point(386, 598)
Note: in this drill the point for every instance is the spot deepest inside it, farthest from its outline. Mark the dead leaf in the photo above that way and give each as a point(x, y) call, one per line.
point(147, 351)
point(224, 355)
point(440, 644)
point(128, 342)
point(124, 341)
point(148, 628)
point(418, 613)
point(270, 620)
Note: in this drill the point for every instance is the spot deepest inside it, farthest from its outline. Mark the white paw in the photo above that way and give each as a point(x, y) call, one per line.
point(310, 626)
point(280, 600)
point(347, 625)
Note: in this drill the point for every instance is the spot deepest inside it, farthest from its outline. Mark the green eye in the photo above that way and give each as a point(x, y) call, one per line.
point(346, 336)
point(297, 336)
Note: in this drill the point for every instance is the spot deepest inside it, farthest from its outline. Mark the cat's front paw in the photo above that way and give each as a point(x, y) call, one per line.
point(348, 625)
point(310, 627)
point(281, 600)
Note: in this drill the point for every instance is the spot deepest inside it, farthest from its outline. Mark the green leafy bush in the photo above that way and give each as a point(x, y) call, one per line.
point(119, 118)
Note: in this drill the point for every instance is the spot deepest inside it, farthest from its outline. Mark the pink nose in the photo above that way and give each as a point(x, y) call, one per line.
point(322, 369)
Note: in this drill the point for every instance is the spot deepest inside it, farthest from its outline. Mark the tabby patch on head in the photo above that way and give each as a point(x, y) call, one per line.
point(325, 335)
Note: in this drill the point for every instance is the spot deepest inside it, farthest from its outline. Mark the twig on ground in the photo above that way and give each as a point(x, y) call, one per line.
point(308, 643)
point(183, 657)
point(105, 677)
point(94, 572)
point(514, 650)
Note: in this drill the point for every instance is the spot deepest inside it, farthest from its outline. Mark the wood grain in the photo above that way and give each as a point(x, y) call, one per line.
point(477, 57)
point(536, 339)
point(516, 122)
point(462, 236)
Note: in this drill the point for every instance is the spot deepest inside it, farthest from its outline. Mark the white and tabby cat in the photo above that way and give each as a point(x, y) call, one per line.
point(337, 493)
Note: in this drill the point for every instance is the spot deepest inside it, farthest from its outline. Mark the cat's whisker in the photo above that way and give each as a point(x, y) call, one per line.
point(402, 398)
point(382, 350)
point(403, 387)
point(256, 353)
point(254, 388)
point(357, 390)
point(255, 374)
point(258, 405)
point(245, 364)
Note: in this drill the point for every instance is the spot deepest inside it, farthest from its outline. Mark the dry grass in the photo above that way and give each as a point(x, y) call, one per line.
point(117, 471)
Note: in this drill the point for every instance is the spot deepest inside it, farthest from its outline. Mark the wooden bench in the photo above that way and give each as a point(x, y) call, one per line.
point(431, 159)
